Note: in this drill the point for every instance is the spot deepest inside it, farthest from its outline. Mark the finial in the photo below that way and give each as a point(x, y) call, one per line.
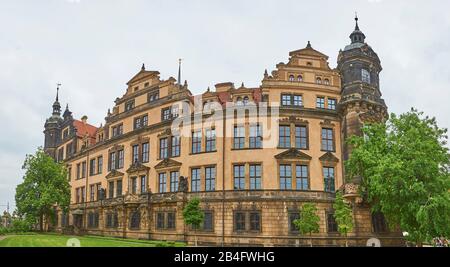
point(207, 90)
point(179, 71)
point(185, 83)
point(67, 106)
point(143, 66)
point(356, 20)
point(308, 45)
point(57, 91)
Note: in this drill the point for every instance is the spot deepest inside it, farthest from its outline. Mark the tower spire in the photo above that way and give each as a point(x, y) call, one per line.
point(56, 105)
point(356, 20)
point(357, 35)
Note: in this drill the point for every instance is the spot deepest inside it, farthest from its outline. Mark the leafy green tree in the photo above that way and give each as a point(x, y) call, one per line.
point(193, 215)
point(44, 185)
point(308, 222)
point(404, 165)
point(343, 215)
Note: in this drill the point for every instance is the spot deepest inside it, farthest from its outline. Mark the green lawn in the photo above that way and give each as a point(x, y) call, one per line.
point(53, 240)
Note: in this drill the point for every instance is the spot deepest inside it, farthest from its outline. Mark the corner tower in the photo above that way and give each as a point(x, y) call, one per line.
point(361, 100)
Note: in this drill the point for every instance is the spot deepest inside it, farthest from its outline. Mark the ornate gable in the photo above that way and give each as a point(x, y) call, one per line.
point(293, 153)
point(114, 173)
point(142, 74)
point(167, 163)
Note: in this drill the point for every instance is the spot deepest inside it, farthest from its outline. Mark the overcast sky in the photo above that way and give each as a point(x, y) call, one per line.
point(94, 47)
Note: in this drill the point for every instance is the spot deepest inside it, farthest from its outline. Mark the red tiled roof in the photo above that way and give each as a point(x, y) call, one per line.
point(84, 128)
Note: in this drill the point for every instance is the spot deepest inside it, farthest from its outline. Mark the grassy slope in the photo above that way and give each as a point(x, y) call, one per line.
point(41, 240)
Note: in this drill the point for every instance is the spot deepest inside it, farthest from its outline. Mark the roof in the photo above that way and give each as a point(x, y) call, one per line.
point(84, 128)
point(308, 51)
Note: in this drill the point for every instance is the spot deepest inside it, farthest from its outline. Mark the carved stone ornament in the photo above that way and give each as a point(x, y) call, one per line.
point(328, 158)
point(183, 185)
point(167, 163)
point(137, 167)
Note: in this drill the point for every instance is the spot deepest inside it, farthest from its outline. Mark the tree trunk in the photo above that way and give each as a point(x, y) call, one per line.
point(195, 237)
point(41, 222)
point(310, 240)
point(346, 240)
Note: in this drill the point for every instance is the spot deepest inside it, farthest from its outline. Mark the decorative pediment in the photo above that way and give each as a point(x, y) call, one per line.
point(167, 163)
point(137, 167)
point(142, 75)
point(293, 153)
point(327, 123)
point(293, 119)
point(116, 147)
point(114, 173)
point(165, 132)
point(329, 158)
point(140, 139)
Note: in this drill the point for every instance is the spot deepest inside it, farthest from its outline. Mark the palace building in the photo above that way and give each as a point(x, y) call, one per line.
point(132, 176)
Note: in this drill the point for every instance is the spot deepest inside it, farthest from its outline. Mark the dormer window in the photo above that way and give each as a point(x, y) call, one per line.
point(239, 101)
point(246, 99)
point(153, 96)
point(365, 76)
point(129, 105)
point(318, 80)
point(300, 78)
point(291, 78)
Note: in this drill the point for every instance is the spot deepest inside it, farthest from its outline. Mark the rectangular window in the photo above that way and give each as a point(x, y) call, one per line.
point(137, 123)
point(119, 188)
point(255, 176)
point(100, 164)
point(210, 140)
point(145, 152)
point(143, 184)
point(117, 130)
point(239, 177)
point(120, 159)
point(255, 221)
point(331, 104)
point(301, 137)
point(328, 176)
point(166, 114)
point(69, 173)
point(162, 182)
point(133, 185)
point(301, 174)
point(298, 101)
point(285, 136)
point(176, 145)
point(239, 137)
point(320, 102)
point(135, 158)
point(111, 190)
point(171, 220)
point(129, 105)
point(78, 171)
point(112, 161)
point(77, 199)
point(92, 192)
point(163, 148)
point(195, 180)
point(174, 181)
point(99, 191)
point(285, 177)
point(292, 217)
point(83, 169)
point(332, 226)
point(327, 139)
point(208, 221)
point(152, 96)
point(239, 221)
point(160, 220)
point(92, 167)
point(255, 136)
point(83, 194)
point(210, 178)
point(286, 100)
point(144, 121)
point(196, 142)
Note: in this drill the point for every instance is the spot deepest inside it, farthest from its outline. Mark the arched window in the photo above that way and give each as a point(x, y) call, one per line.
point(246, 99)
point(239, 101)
point(379, 223)
point(300, 78)
point(135, 221)
point(318, 80)
point(326, 82)
point(365, 76)
point(291, 78)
